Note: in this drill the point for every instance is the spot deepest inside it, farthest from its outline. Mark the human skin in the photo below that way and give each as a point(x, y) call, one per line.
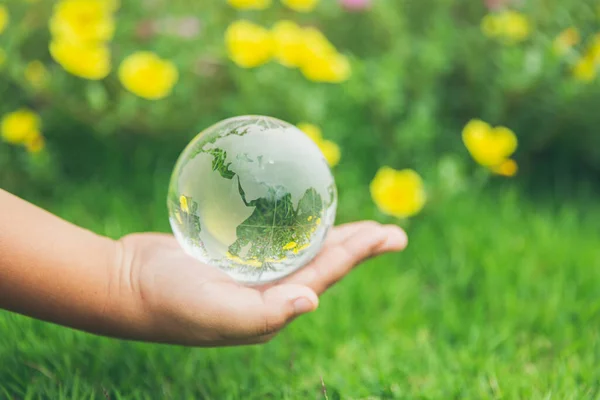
point(143, 287)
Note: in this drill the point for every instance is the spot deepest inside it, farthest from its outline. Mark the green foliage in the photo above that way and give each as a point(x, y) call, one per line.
point(495, 297)
point(497, 294)
point(421, 70)
point(275, 217)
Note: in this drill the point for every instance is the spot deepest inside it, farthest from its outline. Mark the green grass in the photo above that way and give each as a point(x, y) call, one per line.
point(496, 297)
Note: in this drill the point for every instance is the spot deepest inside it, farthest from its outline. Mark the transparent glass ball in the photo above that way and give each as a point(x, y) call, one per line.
point(253, 196)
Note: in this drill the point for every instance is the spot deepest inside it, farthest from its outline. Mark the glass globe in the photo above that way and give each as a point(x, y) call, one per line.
point(253, 196)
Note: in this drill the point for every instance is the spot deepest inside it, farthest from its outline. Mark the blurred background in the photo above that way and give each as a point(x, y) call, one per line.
point(472, 124)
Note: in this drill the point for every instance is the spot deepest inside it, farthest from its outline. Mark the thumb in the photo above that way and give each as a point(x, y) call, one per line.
point(283, 303)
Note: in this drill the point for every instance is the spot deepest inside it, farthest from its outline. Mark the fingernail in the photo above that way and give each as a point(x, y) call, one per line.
point(303, 305)
point(397, 239)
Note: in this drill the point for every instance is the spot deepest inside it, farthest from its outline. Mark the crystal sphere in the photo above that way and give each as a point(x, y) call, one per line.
point(253, 196)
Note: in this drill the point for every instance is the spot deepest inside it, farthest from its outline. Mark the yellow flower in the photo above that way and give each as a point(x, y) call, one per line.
point(249, 4)
point(300, 248)
point(2, 57)
point(593, 51)
point(35, 143)
point(320, 60)
point(489, 146)
point(18, 126)
point(113, 5)
point(275, 260)
point(83, 21)
point(398, 193)
point(331, 151)
point(147, 75)
point(312, 131)
point(310, 50)
point(248, 45)
point(585, 69)
point(253, 262)
point(516, 26)
point(490, 26)
point(36, 74)
point(565, 41)
point(289, 43)
point(328, 68)
point(301, 5)
point(316, 44)
point(4, 18)
point(510, 26)
point(183, 204)
point(508, 168)
point(85, 61)
point(290, 246)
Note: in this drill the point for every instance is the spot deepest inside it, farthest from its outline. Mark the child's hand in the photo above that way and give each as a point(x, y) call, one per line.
point(144, 287)
point(179, 300)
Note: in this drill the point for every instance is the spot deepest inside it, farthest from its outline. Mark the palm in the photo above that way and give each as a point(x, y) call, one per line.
point(201, 305)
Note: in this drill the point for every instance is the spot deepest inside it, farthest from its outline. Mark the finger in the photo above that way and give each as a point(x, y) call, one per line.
point(397, 240)
point(342, 232)
point(250, 314)
point(337, 261)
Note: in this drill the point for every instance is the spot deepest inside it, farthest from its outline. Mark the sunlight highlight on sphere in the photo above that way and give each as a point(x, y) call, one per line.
point(253, 196)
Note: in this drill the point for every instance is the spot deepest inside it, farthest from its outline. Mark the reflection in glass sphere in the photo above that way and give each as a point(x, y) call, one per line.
point(252, 196)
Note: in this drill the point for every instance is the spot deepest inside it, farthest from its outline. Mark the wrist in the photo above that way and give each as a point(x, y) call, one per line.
point(58, 272)
point(126, 313)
